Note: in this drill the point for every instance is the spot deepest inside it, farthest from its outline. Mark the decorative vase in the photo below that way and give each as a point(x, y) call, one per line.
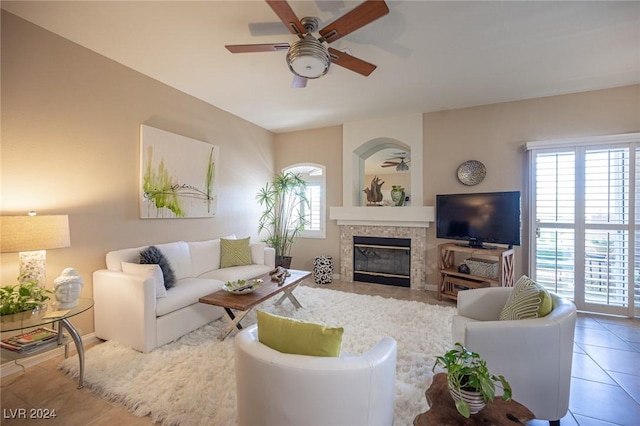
point(473, 398)
point(397, 195)
point(323, 269)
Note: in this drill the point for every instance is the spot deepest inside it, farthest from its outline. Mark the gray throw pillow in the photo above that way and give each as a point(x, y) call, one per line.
point(153, 255)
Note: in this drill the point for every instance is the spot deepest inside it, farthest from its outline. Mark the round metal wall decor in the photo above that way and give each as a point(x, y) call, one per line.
point(471, 172)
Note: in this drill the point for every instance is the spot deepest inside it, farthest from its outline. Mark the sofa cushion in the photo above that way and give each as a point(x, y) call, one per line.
point(528, 299)
point(153, 255)
point(147, 271)
point(257, 253)
point(234, 252)
point(237, 272)
point(291, 336)
point(205, 256)
point(115, 258)
point(186, 292)
point(179, 257)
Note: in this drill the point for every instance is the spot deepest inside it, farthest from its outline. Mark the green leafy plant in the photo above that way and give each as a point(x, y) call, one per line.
point(22, 297)
point(285, 205)
point(466, 370)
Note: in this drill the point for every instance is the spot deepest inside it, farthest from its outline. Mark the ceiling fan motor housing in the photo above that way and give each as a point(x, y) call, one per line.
point(308, 58)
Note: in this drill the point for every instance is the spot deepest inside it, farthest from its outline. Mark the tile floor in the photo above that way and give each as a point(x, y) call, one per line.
point(605, 388)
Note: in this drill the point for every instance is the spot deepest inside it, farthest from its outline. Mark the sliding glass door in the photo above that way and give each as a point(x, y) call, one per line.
point(584, 209)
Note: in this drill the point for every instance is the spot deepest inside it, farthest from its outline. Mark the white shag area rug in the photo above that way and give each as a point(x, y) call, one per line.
point(192, 381)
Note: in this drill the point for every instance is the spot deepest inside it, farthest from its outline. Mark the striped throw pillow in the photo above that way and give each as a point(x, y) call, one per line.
point(527, 300)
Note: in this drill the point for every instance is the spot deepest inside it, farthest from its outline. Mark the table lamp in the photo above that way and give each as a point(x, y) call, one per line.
point(31, 236)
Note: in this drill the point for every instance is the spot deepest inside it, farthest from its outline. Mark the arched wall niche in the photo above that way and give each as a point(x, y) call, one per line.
point(365, 151)
point(362, 139)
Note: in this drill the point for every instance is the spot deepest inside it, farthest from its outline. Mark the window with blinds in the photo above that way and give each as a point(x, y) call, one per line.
point(314, 176)
point(585, 201)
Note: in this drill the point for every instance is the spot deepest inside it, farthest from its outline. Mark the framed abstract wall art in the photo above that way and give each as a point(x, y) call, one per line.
point(177, 175)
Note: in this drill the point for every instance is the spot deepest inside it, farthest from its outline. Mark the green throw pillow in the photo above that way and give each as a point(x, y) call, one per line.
point(235, 252)
point(527, 300)
point(298, 337)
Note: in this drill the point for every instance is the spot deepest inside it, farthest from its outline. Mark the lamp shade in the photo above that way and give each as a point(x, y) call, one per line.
point(30, 233)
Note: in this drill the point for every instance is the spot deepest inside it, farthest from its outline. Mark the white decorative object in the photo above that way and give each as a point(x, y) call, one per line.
point(67, 288)
point(242, 286)
point(473, 398)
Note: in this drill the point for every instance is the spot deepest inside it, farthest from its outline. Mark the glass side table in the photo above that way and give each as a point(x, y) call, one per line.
point(23, 321)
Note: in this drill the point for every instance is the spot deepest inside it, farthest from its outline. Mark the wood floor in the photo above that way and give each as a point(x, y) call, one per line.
point(605, 388)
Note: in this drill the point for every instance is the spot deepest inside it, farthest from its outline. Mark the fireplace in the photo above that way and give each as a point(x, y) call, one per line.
point(418, 250)
point(382, 260)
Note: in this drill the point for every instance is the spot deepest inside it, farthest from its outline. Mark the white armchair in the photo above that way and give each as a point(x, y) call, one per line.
point(280, 389)
point(534, 355)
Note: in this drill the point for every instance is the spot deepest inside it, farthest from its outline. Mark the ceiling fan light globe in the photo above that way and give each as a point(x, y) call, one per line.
point(308, 58)
point(402, 167)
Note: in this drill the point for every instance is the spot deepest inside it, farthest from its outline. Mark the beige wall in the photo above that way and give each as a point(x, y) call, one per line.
point(493, 134)
point(320, 146)
point(70, 144)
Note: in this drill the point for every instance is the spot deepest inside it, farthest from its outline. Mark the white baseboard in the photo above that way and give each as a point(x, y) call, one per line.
point(11, 367)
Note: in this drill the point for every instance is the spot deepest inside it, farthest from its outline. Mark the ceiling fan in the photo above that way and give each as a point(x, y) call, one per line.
point(401, 166)
point(309, 57)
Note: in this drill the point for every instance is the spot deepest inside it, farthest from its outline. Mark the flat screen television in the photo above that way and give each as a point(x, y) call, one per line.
point(489, 217)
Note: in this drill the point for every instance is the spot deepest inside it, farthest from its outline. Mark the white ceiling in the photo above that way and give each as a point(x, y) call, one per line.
point(430, 55)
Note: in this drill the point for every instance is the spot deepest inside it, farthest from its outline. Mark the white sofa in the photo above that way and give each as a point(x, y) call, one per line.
point(534, 355)
point(126, 308)
point(278, 389)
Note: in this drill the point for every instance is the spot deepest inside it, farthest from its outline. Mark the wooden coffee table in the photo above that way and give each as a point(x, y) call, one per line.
point(245, 302)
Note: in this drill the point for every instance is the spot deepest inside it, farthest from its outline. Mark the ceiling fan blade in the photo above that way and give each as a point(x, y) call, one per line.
point(351, 62)
point(287, 16)
point(388, 165)
point(250, 48)
point(298, 82)
point(357, 18)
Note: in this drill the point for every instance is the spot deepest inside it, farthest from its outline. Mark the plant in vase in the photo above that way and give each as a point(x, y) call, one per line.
point(285, 205)
point(26, 296)
point(471, 385)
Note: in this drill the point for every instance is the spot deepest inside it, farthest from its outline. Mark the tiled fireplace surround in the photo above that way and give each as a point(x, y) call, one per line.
point(360, 140)
point(418, 238)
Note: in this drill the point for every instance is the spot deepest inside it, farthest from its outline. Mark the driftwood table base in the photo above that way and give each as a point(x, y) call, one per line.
point(443, 410)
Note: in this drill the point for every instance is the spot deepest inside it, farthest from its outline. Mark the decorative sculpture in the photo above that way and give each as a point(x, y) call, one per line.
point(67, 288)
point(374, 193)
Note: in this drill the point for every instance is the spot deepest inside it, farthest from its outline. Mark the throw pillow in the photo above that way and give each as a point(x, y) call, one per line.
point(234, 252)
point(298, 337)
point(527, 300)
point(153, 255)
point(147, 271)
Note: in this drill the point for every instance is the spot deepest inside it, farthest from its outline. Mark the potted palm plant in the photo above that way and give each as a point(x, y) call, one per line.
point(471, 385)
point(285, 205)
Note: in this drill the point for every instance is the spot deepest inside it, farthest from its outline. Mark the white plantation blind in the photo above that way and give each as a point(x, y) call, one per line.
point(555, 187)
point(584, 204)
point(314, 176)
point(607, 185)
point(314, 195)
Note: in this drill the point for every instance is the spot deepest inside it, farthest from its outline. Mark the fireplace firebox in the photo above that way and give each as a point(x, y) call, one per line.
point(382, 260)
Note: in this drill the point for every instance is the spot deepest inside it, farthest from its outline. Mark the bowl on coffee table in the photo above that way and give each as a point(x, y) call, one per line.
point(242, 286)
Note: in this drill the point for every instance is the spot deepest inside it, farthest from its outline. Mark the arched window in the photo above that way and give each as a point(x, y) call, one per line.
point(314, 176)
